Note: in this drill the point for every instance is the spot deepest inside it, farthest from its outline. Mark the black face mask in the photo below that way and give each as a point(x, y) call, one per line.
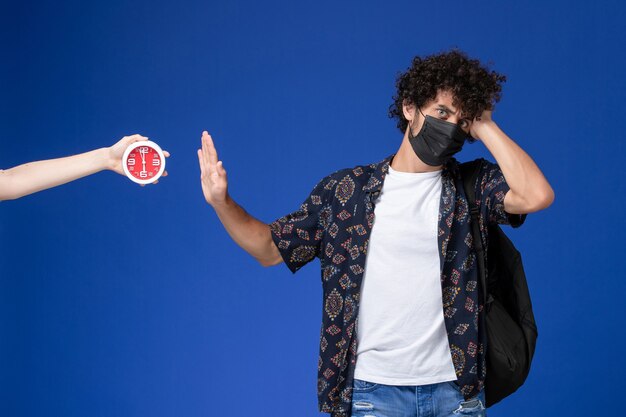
point(437, 140)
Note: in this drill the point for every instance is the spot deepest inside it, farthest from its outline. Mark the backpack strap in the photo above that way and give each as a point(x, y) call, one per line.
point(469, 174)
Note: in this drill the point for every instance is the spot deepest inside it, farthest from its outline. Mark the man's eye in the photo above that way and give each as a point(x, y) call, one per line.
point(442, 112)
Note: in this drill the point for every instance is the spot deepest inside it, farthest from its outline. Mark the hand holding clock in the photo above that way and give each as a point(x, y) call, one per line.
point(119, 153)
point(36, 176)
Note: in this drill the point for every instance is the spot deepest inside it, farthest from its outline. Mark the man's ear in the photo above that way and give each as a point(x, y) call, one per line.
point(408, 110)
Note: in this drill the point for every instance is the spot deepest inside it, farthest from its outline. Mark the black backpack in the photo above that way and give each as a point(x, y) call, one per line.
point(509, 319)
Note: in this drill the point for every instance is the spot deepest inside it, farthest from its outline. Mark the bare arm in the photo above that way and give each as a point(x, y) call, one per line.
point(251, 234)
point(529, 189)
point(37, 176)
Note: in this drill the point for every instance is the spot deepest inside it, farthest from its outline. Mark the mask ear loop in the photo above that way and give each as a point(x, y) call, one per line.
point(409, 124)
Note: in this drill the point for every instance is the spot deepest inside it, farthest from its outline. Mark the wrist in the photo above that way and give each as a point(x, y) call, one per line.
point(223, 205)
point(103, 159)
point(485, 129)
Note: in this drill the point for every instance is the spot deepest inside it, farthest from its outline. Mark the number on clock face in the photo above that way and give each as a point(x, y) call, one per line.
point(143, 162)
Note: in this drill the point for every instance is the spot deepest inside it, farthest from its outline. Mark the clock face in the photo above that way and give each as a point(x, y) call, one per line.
point(143, 162)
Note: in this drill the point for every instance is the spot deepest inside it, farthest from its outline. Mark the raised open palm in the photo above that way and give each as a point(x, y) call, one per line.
point(212, 172)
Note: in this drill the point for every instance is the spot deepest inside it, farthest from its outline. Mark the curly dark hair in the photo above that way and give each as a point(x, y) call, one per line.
point(474, 87)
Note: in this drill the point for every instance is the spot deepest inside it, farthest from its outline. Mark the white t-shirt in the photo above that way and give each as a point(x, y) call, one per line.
point(402, 338)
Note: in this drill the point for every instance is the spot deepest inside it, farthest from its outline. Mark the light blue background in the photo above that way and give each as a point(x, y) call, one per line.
point(117, 300)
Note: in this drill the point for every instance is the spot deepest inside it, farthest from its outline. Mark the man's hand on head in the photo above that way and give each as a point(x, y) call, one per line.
point(480, 123)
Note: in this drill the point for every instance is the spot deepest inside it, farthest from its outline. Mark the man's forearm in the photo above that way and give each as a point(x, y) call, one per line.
point(251, 234)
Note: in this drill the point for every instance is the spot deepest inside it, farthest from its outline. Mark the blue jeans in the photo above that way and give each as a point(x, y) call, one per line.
point(434, 400)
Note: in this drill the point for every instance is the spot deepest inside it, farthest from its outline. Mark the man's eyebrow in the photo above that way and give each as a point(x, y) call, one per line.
point(443, 107)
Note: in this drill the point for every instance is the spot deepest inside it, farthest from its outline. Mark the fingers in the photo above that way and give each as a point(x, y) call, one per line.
point(209, 154)
point(126, 141)
point(135, 138)
point(201, 161)
point(206, 162)
point(220, 168)
point(209, 163)
point(211, 148)
point(166, 153)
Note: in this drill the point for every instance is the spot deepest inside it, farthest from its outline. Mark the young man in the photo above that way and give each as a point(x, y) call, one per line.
point(40, 175)
point(396, 250)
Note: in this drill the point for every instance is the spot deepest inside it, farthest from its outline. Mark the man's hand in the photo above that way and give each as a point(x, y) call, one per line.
point(116, 152)
point(480, 123)
point(212, 173)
